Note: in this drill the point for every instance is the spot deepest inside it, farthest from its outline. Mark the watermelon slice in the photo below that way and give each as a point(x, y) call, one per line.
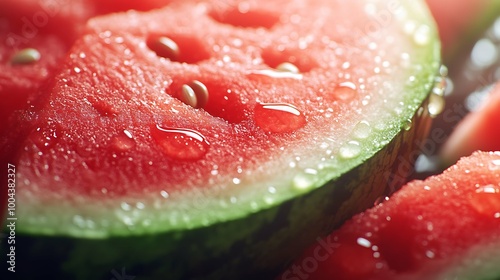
point(446, 227)
point(217, 139)
point(478, 131)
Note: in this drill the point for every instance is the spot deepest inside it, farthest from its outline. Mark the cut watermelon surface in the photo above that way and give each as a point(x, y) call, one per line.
point(48, 28)
point(29, 54)
point(300, 111)
point(446, 227)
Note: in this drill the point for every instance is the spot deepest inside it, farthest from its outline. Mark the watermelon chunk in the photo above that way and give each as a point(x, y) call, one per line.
point(307, 114)
point(478, 131)
point(446, 227)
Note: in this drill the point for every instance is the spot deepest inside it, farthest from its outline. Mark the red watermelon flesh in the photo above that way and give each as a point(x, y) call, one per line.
point(114, 132)
point(478, 131)
point(50, 27)
point(446, 227)
point(20, 82)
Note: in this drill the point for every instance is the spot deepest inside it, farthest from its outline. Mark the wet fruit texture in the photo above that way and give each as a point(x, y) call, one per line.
point(213, 123)
point(48, 27)
point(446, 227)
point(167, 126)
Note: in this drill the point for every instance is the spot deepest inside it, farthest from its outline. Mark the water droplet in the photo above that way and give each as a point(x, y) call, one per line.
point(486, 200)
point(79, 221)
point(364, 242)
point(288, 67)
point(124, 141)
point(26, 56)
point(180, 143)
point(236, 181)
point(125, 206)
point(407, 125)
point(271, 190)
point(77, 70)
point(259, 74)
point(269, 200)
point(164, 194)
point(436, 105)
point(350, 150)
point(409, 27)
point(494, 165)
point(430, 254)
point(422, 35)
point(439, 86)
point(346, 91)
point(443, 71)
point(362, 130)
point(380, 199)
point(305, 180)
point(233, 199)
point(278, 117)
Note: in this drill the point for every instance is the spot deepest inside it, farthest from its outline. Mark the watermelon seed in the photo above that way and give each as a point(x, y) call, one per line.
point(288, 67)
point(194, 94)
point(166, 47)
point(26, 56)
point(188, 96)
